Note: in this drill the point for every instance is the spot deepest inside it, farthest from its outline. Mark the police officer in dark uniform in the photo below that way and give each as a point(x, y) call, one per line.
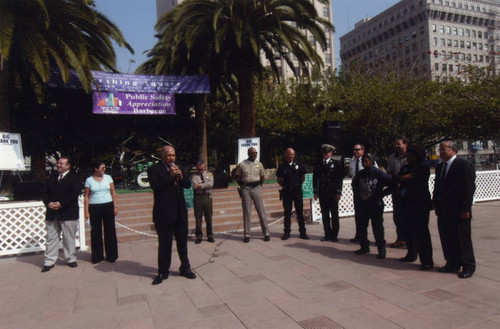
point(290, 176)
point(327, 184)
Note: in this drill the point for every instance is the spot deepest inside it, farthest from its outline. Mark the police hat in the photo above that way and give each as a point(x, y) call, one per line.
point(327, 148)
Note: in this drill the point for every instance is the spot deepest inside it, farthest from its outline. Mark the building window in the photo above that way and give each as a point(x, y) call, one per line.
point(441, 29)
point(434, 28)
point(474, 46)
point(467, 44)
point(325, 12)
point(473, 33)
point(328, 59)
point(454, 31)
point(448, 30)
point(443, 42)
point(436, 66)
point(449, 43)
point(467, 33)
point(435, 41)
point(479, 34)
point(462, 44)
point(455, 43)
point(461, 32)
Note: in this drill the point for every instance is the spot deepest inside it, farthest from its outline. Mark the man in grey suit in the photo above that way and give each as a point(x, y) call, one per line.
point(452, 198)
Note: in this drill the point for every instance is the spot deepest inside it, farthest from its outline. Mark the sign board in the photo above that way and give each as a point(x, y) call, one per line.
point(133, 103)
point(307, 187)
point(11, 152)
point(188, 197)
point(244, 144)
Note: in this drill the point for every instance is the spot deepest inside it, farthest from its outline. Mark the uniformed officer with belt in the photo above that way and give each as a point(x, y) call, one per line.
point(203, 182)
point(250, 176)
point(327, 184)
point(290, 177)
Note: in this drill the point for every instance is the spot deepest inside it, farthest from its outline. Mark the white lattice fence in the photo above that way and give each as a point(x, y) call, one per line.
point(487, 189)
point(22, 227)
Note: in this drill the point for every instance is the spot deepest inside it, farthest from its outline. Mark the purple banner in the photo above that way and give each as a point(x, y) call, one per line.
point(133, 103)
point(162, 84)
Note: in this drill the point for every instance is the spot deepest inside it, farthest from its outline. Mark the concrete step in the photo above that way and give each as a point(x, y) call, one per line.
point(135, 213)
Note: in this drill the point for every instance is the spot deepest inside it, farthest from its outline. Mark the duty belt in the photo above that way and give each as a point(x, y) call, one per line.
point(253, 184)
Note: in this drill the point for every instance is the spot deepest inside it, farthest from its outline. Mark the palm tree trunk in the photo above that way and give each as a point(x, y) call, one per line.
point(201, 114)
point(4, 100)
point(246, 91)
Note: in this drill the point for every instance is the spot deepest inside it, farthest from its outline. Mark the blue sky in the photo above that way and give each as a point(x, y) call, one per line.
point(136, 20)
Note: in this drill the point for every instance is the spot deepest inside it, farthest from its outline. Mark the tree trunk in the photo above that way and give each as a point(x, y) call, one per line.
point(246, 91)
point(201, 114)
point(4, 100)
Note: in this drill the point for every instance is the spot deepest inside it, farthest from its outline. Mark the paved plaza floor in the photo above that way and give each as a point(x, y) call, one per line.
point(277, 284)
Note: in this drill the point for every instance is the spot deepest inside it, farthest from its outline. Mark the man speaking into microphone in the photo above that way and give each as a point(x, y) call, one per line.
point(170, 213)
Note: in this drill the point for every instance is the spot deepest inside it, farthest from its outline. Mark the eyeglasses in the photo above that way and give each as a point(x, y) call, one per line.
point(355, 150)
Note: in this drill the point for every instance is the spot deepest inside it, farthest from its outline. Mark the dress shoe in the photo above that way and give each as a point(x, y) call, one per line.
point(398, 244)
point(381, 255)
point(325, 238)
point(246, 239)
point(267, 238)
point(210, 239)
point(362, 251)
point(354, 240)
point(334, 239)
point(159, 278)
point(187, 274)
point(46, 268)
point(304, 236)
point(197, 241)
point(285, 236)
point(426, 267)
point(407, 259)
point(448, 269)
point(72, 264)
point(465, 274)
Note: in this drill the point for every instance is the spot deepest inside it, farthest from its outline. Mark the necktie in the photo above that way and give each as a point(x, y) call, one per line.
point(60, 177)
point(443, 172)
point(202, 178)
point(357, 166)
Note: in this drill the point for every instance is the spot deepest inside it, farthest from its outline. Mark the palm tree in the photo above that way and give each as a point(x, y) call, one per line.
point(226, 39)
point(37, 35)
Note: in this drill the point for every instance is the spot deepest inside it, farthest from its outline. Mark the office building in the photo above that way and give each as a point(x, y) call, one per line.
point(436, 38)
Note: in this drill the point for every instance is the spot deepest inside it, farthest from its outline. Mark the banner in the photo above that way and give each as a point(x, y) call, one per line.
point(133, 103)
point(161, 84)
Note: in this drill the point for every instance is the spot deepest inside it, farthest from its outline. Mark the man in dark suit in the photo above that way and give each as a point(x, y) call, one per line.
point(327, 184)
point(60, 196)
point(170, 213)
point(453, 196)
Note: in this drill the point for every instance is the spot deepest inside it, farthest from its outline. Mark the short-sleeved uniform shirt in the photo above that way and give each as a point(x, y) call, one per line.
point(250, 172)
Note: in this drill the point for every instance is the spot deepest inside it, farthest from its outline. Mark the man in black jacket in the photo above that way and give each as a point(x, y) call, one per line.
point(60, 196)
point(327, 184)
point(453, 195)
point(368, 188)
point(170, 213)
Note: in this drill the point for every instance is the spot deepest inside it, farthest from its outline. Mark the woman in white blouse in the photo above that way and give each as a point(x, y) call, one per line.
point(100, 207)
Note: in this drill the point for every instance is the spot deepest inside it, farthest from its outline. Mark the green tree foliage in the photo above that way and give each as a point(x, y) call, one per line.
point(40, 34)
point(226, 39)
